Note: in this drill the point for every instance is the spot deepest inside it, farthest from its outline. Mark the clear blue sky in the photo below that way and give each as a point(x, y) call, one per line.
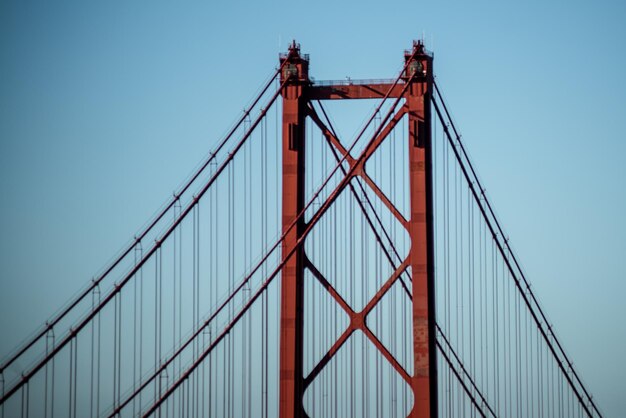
point(106, 107)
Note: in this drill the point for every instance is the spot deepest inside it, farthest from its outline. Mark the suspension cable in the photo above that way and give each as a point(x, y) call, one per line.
point(463, 369)
point(137, 239)
point(506, 244)
point(501, 250)
point(148, 254)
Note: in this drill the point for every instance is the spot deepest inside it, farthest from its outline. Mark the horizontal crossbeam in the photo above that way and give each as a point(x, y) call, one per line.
point(355, 90)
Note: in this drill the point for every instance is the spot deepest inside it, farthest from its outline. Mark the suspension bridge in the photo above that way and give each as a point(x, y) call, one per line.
point(304, 271)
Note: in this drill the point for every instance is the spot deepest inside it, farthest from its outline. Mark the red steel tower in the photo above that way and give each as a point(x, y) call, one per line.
point(415, 88)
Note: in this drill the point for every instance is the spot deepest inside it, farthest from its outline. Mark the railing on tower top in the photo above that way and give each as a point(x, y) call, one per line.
point(351, 82)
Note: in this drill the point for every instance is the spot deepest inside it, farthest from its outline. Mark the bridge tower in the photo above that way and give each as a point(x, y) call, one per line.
point(415, 88)
point(292, 287)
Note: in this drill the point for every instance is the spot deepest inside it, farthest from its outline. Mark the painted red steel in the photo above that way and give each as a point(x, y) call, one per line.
point(295, 72)
point(421, 256)
point(353, 91)
point(416, 86)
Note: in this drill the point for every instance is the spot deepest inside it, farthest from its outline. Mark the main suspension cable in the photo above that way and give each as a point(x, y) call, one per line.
point(139, 237)
point(506, 244)
point(501, 250)
point(158, 242)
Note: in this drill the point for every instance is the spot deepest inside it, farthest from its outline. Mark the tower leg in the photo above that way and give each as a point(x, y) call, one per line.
point(424, 382)
point(292, 285)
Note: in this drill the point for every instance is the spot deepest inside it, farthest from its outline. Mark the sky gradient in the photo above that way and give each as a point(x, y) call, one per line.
point(105, 108)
